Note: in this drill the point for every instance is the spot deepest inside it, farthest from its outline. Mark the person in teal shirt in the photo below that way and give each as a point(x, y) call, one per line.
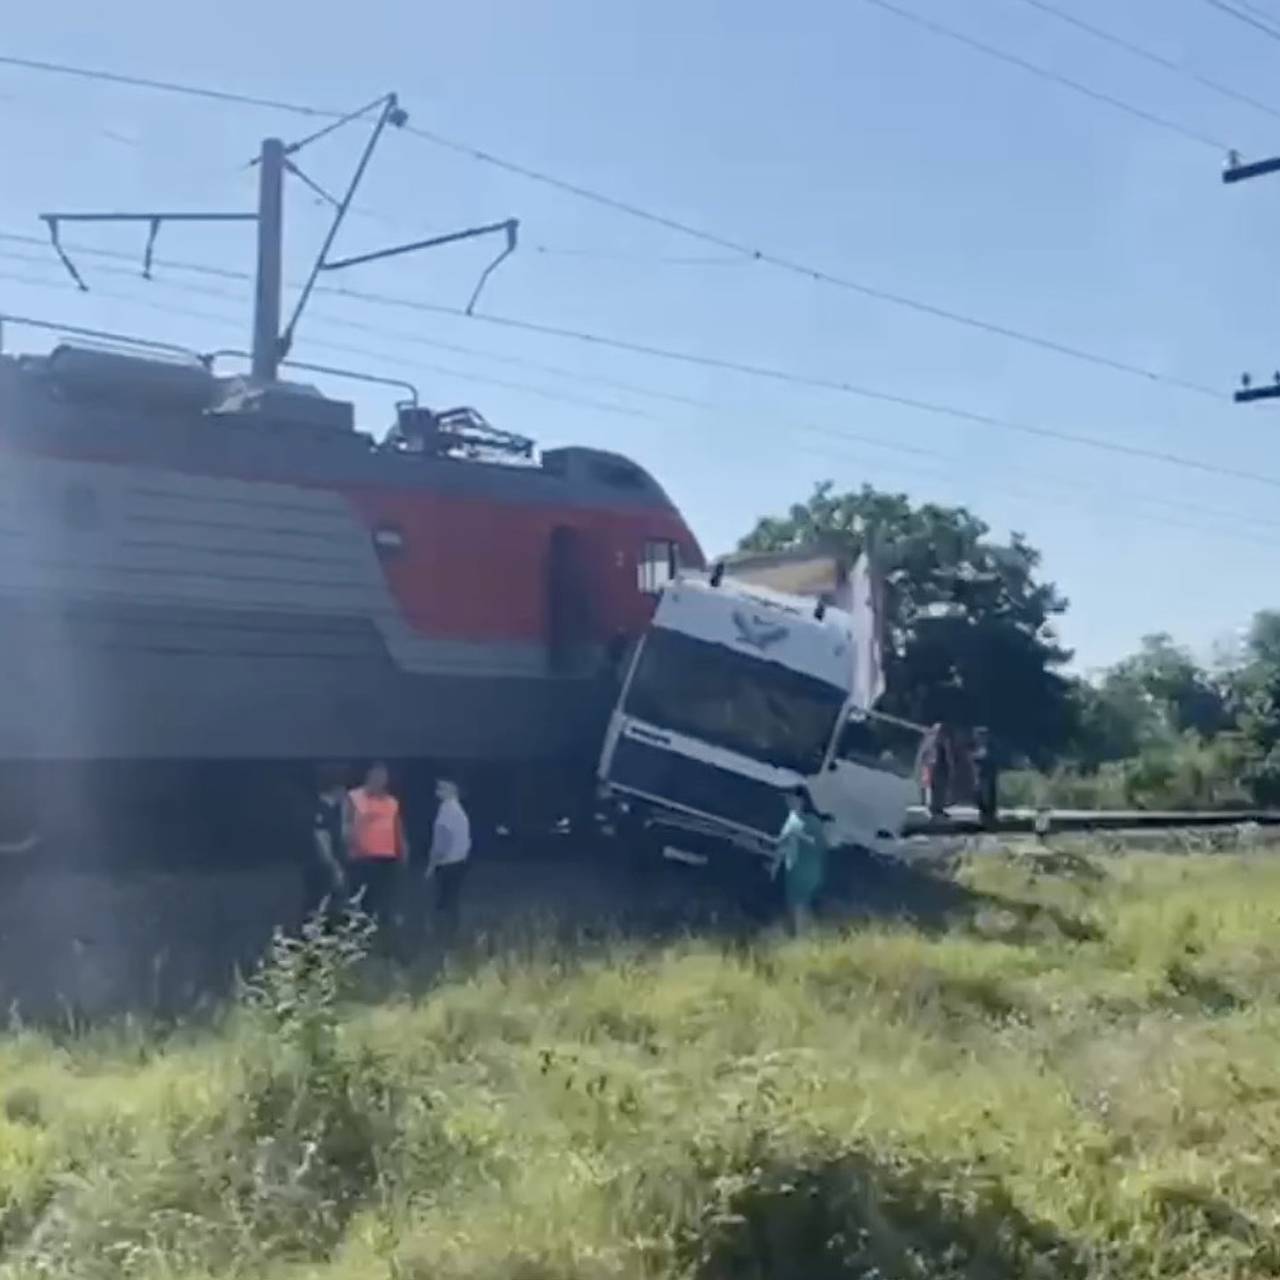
point(801, 857)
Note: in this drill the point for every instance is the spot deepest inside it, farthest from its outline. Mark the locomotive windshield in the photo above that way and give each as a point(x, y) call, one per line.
point(754, 707)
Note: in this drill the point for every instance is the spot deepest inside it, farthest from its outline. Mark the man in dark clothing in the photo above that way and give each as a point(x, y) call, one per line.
point(325, 878)
point(985, 771)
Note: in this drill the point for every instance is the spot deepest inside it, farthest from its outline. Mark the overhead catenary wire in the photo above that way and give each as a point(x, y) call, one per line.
point(231, 274)
point(822, 383)
point(1241, 15)
point(508, 384)
point(842, 434)
point(170, 86)
point(543, 393)
point(667, 260)
point(1046, 73)
point(1150, 55)
point(816, 274)
point(675, 225)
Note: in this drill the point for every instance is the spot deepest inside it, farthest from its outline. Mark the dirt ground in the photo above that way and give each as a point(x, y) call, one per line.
point(80, 944)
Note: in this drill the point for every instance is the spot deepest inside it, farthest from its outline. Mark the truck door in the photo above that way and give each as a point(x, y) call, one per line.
point(870, 783)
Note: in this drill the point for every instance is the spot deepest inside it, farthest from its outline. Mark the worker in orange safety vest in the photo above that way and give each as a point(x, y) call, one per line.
point(377, 848)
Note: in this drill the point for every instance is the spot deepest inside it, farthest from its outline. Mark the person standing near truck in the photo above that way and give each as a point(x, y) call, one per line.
point(986, 777)
point(801, 857)
point(934, 769)
point(374, 835)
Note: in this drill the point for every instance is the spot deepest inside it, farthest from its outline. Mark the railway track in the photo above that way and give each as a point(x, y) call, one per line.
point(961, 820)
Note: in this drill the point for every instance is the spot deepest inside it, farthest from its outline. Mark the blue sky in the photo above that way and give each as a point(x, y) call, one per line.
point(833, 133)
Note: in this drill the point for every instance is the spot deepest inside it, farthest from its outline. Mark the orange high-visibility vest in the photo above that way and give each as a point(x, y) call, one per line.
point(376, 831)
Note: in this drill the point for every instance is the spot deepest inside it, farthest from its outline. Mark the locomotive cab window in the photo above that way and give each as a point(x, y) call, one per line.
point(658, 565)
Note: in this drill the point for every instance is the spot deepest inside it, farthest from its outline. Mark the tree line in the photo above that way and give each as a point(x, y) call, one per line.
point(971, 638)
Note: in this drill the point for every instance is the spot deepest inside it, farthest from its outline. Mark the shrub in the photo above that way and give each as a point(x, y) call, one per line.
point(1076, 1077)
point(1181, 773)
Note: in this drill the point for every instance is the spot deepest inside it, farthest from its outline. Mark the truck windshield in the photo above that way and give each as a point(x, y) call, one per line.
point(749, 705)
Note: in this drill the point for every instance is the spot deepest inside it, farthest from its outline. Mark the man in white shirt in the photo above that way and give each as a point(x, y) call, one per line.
point(450, 851)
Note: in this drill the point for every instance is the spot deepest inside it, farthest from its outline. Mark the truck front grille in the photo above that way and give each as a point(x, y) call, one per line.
point(696, 785)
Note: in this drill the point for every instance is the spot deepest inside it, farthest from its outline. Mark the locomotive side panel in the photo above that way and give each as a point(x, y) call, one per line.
point(474, 569)
point(190, 585)
point(151, 613)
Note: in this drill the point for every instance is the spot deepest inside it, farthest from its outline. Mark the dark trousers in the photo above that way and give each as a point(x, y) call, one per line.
point(378, 883)
point(937, 793)
point(449, 880)
point(988, 800)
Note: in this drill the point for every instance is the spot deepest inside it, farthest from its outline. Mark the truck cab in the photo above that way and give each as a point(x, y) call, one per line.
point(738, 693)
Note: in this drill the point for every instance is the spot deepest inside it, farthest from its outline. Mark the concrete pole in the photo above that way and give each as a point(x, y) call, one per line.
point(266, 305)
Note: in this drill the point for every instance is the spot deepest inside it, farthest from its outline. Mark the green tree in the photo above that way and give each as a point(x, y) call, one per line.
point(969, 628)
point(1182, 696)
point(1147, 700)
point(1263, 642)
point(1113, 721)
point(1255, 699)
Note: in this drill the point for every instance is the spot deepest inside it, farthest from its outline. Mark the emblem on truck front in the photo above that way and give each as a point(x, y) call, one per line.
point(758, 632)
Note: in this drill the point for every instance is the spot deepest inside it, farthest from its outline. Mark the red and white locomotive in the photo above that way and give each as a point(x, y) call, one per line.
point(195, 570)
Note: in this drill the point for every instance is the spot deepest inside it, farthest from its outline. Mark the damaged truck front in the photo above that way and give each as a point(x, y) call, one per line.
point(738, 693)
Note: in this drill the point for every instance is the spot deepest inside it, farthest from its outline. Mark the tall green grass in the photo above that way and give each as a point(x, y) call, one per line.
point(1080, 1077)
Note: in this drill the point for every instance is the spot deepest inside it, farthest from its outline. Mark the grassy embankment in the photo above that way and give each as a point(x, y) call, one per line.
point(1080, 1077)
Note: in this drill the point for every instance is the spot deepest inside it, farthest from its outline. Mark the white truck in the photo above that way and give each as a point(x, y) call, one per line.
point(738, 693)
